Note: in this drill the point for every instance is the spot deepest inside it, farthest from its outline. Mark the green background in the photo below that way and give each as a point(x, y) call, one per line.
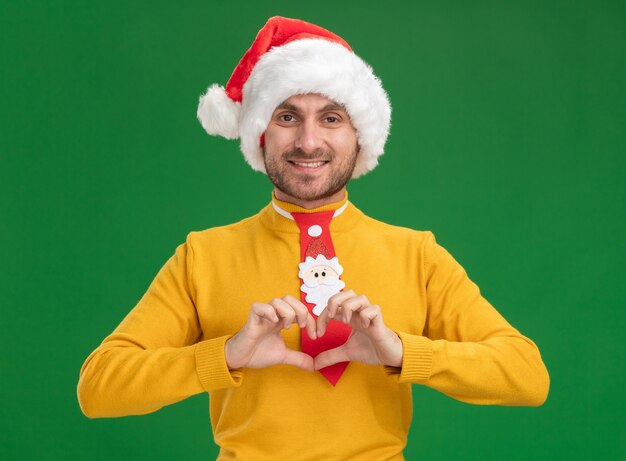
point(508, 142)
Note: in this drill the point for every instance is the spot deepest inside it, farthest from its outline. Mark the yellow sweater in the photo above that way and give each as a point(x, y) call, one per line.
point(171, 345)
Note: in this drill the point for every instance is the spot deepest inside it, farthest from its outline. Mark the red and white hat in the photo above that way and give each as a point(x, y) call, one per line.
point(290, 57)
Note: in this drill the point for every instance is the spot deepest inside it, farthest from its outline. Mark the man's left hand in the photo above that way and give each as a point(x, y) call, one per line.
point(371, 341)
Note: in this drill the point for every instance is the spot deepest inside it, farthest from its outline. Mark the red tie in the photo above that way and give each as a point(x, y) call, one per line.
point(315, 241)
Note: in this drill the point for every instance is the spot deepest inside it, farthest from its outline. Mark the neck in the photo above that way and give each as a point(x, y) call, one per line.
point(308, 204)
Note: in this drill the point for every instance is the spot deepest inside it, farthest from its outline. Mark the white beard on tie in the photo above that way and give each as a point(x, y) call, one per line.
point(319, 294)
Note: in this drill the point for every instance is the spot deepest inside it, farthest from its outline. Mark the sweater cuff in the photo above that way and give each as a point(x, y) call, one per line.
point(211, 365)
point(417, 358)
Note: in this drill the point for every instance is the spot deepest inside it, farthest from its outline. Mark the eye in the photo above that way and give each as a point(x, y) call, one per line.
point(317, 275)
point(323, 274)
point(286, 118)
point(332, 119)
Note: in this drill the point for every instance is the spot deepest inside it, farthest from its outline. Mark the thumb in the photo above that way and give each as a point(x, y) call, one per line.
point(298, 359)
point(331, 356)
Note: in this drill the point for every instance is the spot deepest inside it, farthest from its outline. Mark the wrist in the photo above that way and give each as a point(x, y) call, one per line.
point(395, 359)
point(228, 353)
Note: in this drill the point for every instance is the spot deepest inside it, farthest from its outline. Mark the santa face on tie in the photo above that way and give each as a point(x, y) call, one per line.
point(320, 277)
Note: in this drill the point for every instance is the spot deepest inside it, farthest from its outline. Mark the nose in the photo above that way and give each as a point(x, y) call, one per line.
point(309, 137)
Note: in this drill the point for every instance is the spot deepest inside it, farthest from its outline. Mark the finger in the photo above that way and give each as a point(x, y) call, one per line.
point(285, 311)
point(371, 315)
point(331, 356)
point(351, 305)
point(260, 311)
point(311, 329)
point(334, 309)
point(336, 300)
point(299, 359)
point(322, 321)
point(305, 319)
point(302, 313)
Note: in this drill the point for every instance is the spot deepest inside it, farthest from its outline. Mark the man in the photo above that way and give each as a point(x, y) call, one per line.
point(378, 307)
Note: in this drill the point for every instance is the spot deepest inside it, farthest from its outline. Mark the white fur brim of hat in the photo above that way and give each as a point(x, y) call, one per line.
point(302, 67)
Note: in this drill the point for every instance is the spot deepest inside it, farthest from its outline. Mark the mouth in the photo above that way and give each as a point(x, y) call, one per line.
point(308, 165)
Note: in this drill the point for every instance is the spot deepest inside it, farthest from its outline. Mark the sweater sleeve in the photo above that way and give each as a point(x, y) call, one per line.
point(153, 358)
point(469, 351)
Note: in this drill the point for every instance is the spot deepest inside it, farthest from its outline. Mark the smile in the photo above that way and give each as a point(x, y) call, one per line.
point(308, 164)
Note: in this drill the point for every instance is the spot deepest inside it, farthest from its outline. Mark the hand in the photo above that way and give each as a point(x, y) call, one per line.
point(259, 343)
point(370, 342)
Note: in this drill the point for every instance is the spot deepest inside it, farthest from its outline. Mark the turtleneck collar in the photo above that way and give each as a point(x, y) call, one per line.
point(273, 215)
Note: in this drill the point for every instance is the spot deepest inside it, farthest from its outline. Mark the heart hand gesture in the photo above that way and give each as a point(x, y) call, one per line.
point(259, 343)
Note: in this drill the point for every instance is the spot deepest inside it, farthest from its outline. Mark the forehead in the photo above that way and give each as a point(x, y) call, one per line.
point(312, 102)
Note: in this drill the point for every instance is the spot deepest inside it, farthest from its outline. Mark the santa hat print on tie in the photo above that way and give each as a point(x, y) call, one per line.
point(320, 270)
point(320, 273)
point(290, 57)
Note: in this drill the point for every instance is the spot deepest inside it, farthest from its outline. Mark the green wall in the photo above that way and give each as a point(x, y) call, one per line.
point(508, 141)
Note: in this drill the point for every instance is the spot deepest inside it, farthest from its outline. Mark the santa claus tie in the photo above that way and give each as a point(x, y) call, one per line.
point(320, 273)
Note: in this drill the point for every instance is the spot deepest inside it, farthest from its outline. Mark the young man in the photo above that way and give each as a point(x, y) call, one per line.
point(379, 307)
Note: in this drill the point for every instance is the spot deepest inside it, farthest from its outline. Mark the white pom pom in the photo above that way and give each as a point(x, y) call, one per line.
point(218, 114)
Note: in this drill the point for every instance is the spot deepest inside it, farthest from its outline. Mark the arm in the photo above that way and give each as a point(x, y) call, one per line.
point(152, 358)
point(469, 351)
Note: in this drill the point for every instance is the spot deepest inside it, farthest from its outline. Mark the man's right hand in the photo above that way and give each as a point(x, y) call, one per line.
point(259, 343)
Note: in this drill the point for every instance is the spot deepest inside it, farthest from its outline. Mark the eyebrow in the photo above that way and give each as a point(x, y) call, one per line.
point(326, 108)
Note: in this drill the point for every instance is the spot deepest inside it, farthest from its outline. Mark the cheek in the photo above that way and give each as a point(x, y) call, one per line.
point(276, 139)
point(346, 142)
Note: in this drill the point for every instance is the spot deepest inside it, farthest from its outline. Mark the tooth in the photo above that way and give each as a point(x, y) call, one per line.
point(309, 165)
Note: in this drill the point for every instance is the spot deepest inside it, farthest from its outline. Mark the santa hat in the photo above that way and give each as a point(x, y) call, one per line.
point(290, 57)
point(318, 254)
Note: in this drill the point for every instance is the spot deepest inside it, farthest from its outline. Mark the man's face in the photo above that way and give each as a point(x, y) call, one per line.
point(310, 147)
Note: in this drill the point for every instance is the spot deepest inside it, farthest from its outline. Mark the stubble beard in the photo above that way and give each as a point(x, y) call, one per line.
point(300, 185)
